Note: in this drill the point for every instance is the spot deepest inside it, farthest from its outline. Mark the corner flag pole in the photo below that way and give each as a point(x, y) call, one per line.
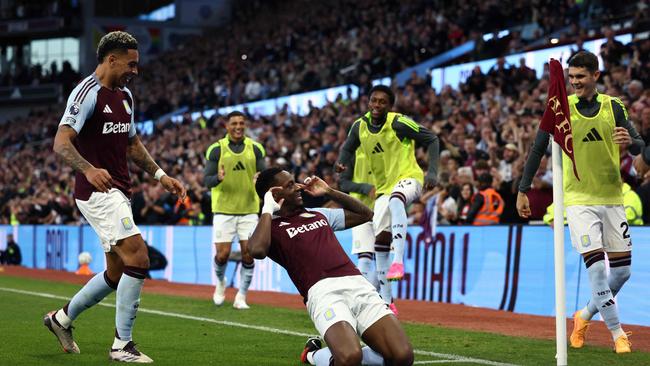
point(558, 244)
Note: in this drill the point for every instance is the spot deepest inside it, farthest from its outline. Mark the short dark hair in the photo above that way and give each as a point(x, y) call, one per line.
point(117, 40)
point(265, 181)
point(584, 59)
point(485, 179)
point(235, 114)
point(384, 89)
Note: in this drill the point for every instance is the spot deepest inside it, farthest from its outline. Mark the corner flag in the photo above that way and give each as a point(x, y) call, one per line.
point(556, 119)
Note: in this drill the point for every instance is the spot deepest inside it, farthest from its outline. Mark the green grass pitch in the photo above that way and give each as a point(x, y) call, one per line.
point(183, 331)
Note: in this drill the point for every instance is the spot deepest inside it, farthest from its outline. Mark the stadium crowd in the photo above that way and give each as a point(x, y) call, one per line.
point(486, 126)
point(288, 47)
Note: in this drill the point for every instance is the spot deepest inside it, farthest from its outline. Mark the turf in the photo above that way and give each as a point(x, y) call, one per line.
point(173, 341)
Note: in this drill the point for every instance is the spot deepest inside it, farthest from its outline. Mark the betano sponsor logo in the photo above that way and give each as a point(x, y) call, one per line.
point(116, 127)
point(293, 231)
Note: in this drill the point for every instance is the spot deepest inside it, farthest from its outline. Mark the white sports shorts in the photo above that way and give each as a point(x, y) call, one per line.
point(350, 298)
point(409, 188)
point(226, 227)
point(363, 238)
point(110, 216)
point(599, 227)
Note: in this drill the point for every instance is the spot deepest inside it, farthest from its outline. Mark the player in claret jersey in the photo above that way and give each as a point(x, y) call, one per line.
point(341, 302)
point(96, 137)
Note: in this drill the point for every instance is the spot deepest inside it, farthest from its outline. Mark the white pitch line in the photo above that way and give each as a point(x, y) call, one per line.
point(437, 361)
point(447, 357)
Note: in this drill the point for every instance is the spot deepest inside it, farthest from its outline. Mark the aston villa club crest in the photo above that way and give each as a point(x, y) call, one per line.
point(126, 106)
point(126, 222)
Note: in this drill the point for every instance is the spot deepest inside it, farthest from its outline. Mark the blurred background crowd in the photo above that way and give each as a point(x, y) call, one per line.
point(486, 125)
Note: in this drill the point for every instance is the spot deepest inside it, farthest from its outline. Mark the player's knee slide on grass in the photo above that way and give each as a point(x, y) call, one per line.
point(402, 356)
point(352, 356)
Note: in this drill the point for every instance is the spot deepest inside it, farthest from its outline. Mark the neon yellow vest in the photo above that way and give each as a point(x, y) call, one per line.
point(362, 174)
point(236, 195)
point(13, 220)
point(391, 160)
point(633, 206)
point(597, 158)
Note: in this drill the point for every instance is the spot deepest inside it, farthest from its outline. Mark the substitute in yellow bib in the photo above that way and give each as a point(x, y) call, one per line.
point(389, 141)
point(631, 201)
point(594, 204)
point(231, 165)
point(363, 236)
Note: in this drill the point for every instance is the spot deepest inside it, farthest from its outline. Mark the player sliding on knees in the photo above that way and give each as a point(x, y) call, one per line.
point(342, 304)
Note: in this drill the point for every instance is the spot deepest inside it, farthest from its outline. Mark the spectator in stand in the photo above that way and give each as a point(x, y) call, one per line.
point(645, 124)
point(487, 204)
point(464, 202)
point(471, 154)
point(296, 140)
point(11, 256)
point(611, 50)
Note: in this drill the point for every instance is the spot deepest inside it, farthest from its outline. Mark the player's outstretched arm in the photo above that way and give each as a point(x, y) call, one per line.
point(64, 147)
point(140, 156)
point(530, 169)
point(347, 156)
point(260, 240)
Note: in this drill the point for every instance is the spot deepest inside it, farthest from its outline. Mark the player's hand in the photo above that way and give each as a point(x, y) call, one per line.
point(373, 193)
point(429, 183)
point(270, 205)
point(100, 179)
point(315, 186)
point(621, 136)
point(173, 186)
point(222, 173)
point(640, 166)
point(339, 168)
point(523, 207)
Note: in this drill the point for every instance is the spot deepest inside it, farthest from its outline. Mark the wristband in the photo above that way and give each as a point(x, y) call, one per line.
point(159, 174)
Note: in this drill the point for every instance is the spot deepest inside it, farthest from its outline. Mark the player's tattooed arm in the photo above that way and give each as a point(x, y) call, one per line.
point(98, 177)
point(140, 156)
point(65, 149)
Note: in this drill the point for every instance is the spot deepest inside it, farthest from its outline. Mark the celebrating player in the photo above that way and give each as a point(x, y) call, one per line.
point(96, 136)
point(388, 141)
point(231, 165)
point(594, 204)
point(342, 304)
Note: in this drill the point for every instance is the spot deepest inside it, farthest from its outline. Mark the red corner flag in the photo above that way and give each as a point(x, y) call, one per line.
point(556, 119)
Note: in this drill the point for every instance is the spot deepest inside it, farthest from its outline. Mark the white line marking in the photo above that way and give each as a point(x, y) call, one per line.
point(437, 361)
point(445, 356)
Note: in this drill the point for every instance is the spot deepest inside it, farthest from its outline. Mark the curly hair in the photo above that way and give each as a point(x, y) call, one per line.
point(265, 181)
point(115, 41)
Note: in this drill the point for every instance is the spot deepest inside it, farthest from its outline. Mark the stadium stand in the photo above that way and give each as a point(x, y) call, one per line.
point(489, 123)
